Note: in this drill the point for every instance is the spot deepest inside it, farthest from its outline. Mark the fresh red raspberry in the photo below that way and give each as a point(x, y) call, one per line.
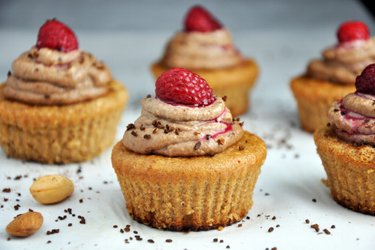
point(365, 82)
point(56, 35)
point(351, 31)
point(199, 19)
point(181, 86)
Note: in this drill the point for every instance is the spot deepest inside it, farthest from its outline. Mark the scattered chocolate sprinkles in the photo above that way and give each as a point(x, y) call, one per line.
point(7, 190)
point(326, 231)
point(313, 200)
point(148, 96)
point(147, 136)
point(142, 127)
point(150, 241)
point(168, 240)
point(9, 73)
point(270, 230)
point(307, 221)
point(224, 98)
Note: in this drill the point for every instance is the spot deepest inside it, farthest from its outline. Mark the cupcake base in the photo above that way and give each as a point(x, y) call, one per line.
point(314, 98)
point(60, 134)
point(350, 170)
point(233, 82)
point(190, 193)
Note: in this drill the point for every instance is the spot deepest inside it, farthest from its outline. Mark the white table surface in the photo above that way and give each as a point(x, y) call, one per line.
point(281, 35)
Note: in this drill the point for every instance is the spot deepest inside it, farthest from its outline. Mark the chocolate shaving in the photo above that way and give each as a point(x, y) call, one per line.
point(157, 124)
point(208, 137)
point(220, 141)
point(148, 96)
point(133, 133)
point(142, 127)
point(224, 98)
point(315, 227)
point(197, 145)
point(9, 73)
point(130, 126)
point(147, 136)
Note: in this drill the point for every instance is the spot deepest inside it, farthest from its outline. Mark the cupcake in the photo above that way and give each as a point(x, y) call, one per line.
point(59, 104)
point(206, 48)
point(330, 78)
point(186, 164)
point(346, 146)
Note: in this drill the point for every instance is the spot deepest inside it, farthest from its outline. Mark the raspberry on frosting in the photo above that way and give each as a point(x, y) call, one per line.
point(181, 86)
point(351, 31)
point(365, 82)
point(56, 35)
point(200, 19)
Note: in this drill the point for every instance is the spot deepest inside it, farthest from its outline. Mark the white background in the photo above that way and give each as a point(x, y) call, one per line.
point(281, 35)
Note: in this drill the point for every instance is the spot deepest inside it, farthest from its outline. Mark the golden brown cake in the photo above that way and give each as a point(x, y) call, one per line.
point(59, 104)
point(60, 134)
point(207, 49)
point(350, 170)
point(328, 79)
point(346, 146)
point(190, 193)
point(185, 164)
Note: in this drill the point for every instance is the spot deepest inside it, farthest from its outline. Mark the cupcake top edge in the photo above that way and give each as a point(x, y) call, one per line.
point(353, 117)
point(55, 71)
point(341, 63)
point(183, 119)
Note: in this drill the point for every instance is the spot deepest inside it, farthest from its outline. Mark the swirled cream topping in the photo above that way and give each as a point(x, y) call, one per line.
point(177, 130)
point(341, 64)
point(201, 50)
point(353, 118)
point(50, 77)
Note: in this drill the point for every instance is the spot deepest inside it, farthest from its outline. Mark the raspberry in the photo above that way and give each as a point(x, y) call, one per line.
point(183, 87)
point(351, 31)
point(199, 19)
point(56, 35)
point(365, 82)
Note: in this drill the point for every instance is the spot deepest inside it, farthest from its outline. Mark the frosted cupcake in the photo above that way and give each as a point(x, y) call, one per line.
point(186, 164)
point(206, 48)
point(59, 104)
point(346, 146)
point(330, 78)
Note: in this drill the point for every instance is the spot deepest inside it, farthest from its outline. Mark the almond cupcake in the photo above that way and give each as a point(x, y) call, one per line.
point(186, 164)
point(206, 48)
point(329, 79)
point(59, 104)
point(346, 146)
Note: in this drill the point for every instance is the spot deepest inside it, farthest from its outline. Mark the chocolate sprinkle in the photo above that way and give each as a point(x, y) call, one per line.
point(147, 136)
point(197, 145)
point(315, 227)
point(133, 133)
point(130, 126)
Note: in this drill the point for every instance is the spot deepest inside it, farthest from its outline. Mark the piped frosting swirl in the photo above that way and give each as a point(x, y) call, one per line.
point(341, 64)
point(177, 130)
point(201, 50)
point(50, 77)
point(353, 118)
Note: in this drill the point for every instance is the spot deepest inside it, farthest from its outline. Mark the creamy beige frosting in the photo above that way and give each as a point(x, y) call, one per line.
point(50, 77)
point(177, 130)
point(201, 50)
point(353, 118)
point(341, 64)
